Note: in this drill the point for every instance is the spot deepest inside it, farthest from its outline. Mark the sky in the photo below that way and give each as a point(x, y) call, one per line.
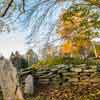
point(19, 30)
point(12, 42)
point(16, 39)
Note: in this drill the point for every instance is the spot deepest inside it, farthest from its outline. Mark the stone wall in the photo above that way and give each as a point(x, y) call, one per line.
point(68, 73)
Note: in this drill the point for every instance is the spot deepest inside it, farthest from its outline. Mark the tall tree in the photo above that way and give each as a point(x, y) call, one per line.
point(81, 22)
point(6, 5)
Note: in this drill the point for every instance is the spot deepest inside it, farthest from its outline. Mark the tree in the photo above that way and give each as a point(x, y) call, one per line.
point(7, 4)
point(94, 2)
point(8, 7)
point(31, 57)
point(80, 23)
point(22, 5)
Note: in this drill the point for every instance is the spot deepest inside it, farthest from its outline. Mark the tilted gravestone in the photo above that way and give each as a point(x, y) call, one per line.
point(8, 79)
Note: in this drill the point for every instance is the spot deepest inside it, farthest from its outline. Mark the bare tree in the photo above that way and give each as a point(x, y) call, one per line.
point(35, 26)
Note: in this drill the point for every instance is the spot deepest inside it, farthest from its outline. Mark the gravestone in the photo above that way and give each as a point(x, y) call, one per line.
point(8, 79)
point(29, 85)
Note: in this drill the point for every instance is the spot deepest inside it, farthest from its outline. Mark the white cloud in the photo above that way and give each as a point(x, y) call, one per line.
point(12, 42)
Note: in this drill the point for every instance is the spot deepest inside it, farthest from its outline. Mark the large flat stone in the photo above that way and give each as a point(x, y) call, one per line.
point(89, 70)
point(76, 69)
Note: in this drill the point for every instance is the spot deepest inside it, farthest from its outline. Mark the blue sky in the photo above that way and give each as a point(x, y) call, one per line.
point(11, 42)
point(16, 39)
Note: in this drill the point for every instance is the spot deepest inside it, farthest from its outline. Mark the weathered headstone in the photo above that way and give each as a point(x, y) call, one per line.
point(29, 85)
point(8, 79)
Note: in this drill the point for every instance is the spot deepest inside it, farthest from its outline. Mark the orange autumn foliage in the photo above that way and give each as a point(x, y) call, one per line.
point(73, 47)
point(66, 48)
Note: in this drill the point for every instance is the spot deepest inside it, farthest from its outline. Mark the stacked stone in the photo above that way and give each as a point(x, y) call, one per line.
point(67, 73)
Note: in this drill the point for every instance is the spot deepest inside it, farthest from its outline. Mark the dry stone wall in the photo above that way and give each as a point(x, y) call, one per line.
point(68, 73)
point(63, 75)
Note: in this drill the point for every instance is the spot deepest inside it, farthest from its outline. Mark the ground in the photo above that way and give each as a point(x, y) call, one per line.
point(82, 90)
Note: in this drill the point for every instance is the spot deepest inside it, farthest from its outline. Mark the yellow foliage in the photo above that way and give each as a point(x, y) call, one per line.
point(65, 28)
point(66, 47)
point(78, 14)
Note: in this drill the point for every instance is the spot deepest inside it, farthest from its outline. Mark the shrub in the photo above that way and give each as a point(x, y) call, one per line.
point(49, 62)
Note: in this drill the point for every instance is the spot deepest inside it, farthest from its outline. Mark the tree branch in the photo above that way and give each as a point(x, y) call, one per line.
point(22, 6)
point(5, 9)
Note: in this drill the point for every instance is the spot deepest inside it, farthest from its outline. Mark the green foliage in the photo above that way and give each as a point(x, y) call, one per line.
point(97, 48)
point(77, 60)
point(49, 62)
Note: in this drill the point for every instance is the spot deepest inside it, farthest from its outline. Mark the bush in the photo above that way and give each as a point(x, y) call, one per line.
point(49, 62)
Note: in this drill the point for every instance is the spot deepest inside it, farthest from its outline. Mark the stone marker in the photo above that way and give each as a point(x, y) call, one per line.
point(29, 85)
point(8, 79)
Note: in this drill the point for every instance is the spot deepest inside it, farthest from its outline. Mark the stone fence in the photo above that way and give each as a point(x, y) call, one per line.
point(62, 74)
point(68, 73)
